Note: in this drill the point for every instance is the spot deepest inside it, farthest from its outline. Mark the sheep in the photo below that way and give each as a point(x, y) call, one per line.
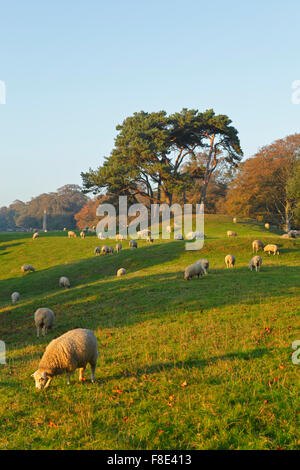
point(101, 236)
point(271, 248)
point(193, 270)
point(63, 355)
point(35, 235)
point(65, 229)
point(120, 237)
point(97, 250)
point(111, 249)
point(195, 235)
point(143, 233)
point(72, 234)
point(150, 239)
point(294, 233)
point(15, 296)
point(230, 261)
point(230, 233)
point(256, 263)
point(82, 234)
point(64, 282)
point(43, 318)
point(267, 226)
point(27, 267)
point(286, 235)
point(205, 264)
point(121, 272)
point(105, 250)
point(234, 220)
point(256, 245)
point(118, 247)
point(133, 244)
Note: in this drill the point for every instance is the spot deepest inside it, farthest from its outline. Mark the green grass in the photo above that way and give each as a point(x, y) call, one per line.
point(204, 364)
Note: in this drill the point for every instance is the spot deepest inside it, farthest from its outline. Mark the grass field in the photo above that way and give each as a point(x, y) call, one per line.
point(204, 364)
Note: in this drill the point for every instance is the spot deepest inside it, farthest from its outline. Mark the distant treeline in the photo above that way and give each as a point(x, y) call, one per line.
point(61, 207)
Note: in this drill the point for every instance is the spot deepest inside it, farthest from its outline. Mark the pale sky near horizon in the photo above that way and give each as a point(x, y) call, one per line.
point(73, 70)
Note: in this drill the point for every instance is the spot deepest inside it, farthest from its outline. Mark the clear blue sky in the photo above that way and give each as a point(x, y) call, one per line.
point(75, 69)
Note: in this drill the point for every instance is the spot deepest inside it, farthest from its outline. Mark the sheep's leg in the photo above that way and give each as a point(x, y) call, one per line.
point(38, 331)
point(44, 330)
point(81, 374)
point(68, 379)
point(93, 368)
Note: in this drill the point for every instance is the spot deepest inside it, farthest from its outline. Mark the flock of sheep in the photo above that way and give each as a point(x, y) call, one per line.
point(77, 348)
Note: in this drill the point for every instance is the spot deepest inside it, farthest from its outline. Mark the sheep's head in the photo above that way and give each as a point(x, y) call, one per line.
point(42, 379)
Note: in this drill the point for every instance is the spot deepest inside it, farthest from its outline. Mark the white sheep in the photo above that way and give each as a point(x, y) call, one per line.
point(133, 244)
point(121, 272)
point(71, 234)
point(230, 233)
point(230, 261)
point(111, 249)
point(105, 250)
point(256, 263)
point(64, 282)
point(44, 319)
point(101, 236)
point(234, 220)
point(205, 264)
point(15, 297)
point(97, 250)
point(193, 270)
point(256, 245)
point(27, 267)
point(72, 350)
point(118, 247)
point(271, 248)
point(120, 237)
point(267, 226)
point(35, 236)
point(82, 234)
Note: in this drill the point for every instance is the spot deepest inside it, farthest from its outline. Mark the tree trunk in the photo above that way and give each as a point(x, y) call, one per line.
point(288, 216)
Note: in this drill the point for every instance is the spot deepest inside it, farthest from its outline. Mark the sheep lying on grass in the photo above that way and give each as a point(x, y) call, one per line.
point(72, 350)
point(256, 263)
point(121, 272)
point(204, 263)
point(256, 245)
point(193, 270)
point(72, 234)
point(64, 282)
point(230, 233)
point(97, 250)
point(44, 319)
point(35, 236)
point(27, 268)
point(15, 296)
point(133, 244)
point(118, 247)
point(230, 261)
point(271, 248)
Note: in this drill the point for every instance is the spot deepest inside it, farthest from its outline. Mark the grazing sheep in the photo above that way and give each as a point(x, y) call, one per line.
point(120, 237)
point(35, 235)
point(118, 247)
point(230, 233)
point(193, 270)
point(72, 234)
point(178, 236)
point(267, 226)
point(230, 261)
point(271, 248)
point(204, 263)
point(64, 282)
point(234, 220)
point(15, 296)
point(294, 233)
point(105, 250)
point(72, 350)
point(256, 263)
point(43, 318)
point(121, 272)
point(97, 250)
point(133, 244)
point(27, 267)
point(150, 239)
point(111, 249)
point(82, 234)
point(256, 245)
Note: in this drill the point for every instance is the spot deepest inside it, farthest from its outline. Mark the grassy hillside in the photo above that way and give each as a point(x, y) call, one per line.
point(204, 364)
